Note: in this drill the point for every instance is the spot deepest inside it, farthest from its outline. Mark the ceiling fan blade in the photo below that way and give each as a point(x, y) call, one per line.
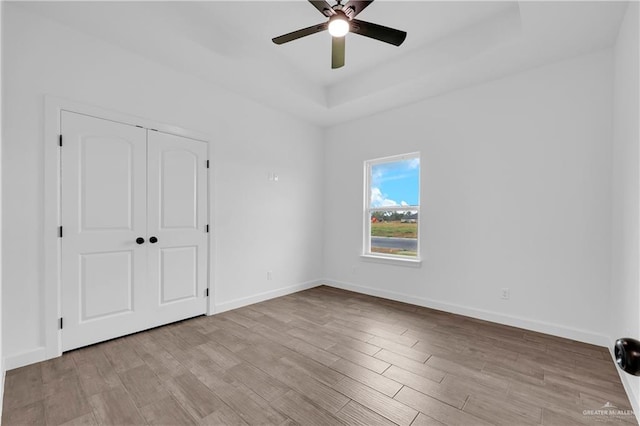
point(337, 52)
point(300, 33)
point(324, 7)
point(378, 32)
point(356, 6)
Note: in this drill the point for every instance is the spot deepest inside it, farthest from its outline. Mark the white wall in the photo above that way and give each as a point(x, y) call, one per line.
point(2, 371)
point(625, 288)
point(251, 233)
point(515, 192)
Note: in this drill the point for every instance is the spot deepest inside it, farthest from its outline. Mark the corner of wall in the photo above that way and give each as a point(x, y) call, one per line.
point(2, 363)
point(625, 242)
point(261, 297)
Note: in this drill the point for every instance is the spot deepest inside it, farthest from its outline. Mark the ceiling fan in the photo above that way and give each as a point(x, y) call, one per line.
point(342, 21)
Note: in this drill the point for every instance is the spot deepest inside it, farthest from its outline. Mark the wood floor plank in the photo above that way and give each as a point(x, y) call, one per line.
point(57, 368)
point(64, 400)
point(298, 379)
point(345, 329)
point(358, 415)
point(143, 386)
point(247, 404)
point(238, 318)
point(302, 411)
point(24, 387)
point(29, 414)
point(164, 365)
point(410, 365)
point(366, 361)
point(86, 420)
point(316, 339)
point(224, 416)
point(115, 408)
point(228, 339)
point(424, 420)
point(320, 372)
point(377, 402)
point(97, 378)
point(220, 354)
point(499, 411)
point(382, 333)
point(440, 411)
point(297, 345)
point(260, 382)
point(121, 355)
point(513, 371)
point(552, 417)
point(166, 411)
point(428, 387)
point(365, 376)
point(403, 350)
point(193, 395)
point(191, 335)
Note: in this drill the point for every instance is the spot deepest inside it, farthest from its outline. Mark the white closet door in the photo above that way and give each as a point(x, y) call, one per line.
point(104, 286)
point(177, 220)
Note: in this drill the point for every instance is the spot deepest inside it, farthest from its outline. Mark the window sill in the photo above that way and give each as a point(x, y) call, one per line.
point(414, 263)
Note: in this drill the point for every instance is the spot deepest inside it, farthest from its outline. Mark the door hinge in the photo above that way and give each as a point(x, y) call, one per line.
point(60, 323)
point(206, 292)
point(207, 164)
point(207, 228)
point(60, 140)
point(60, 231)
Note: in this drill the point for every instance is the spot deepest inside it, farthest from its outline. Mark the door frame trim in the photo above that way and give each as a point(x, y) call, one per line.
point(53, 108)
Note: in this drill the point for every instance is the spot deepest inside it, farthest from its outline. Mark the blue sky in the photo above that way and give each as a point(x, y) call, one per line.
point(395, 183)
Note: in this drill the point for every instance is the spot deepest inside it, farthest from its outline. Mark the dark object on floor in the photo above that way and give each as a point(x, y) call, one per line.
point(627, 352)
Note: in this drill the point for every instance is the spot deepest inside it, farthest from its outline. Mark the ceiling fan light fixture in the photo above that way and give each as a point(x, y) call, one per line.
point(338, 26)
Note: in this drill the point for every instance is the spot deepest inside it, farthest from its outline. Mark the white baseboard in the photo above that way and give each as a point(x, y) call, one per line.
point(628, 388)
point(261, 297)
point(25, 358)
point(514, 321)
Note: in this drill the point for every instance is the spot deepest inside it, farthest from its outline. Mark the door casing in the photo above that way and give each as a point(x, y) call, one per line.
point(52, 209)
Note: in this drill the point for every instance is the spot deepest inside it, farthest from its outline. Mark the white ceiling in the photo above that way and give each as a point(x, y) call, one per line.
point(450, 44)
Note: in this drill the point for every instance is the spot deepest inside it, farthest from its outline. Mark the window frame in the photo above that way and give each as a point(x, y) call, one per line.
point(368, 210)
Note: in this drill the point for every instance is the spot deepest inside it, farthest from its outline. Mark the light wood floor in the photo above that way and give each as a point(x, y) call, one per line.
point(322, 357)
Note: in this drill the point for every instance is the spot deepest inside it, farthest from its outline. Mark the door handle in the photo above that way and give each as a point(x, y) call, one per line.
point(140, 240)
point(153, 240)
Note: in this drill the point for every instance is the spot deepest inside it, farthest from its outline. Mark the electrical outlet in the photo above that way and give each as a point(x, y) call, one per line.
point(269, 275)
point(505, 294)
point(272, 177)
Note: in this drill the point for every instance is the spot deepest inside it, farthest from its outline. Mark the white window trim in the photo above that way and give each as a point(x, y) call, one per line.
point(367, 254)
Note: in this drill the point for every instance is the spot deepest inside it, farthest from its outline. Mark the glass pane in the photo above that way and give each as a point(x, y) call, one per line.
point(394, 232)
point(395, 183)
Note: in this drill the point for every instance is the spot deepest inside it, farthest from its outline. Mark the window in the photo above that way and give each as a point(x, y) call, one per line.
point(392, 207)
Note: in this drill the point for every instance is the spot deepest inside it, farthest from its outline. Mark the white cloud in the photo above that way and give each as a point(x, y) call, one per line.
point(414, 163)
point(378, 199)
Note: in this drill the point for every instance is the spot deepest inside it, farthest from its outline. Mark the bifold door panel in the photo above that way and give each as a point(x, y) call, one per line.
point(122, 188)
